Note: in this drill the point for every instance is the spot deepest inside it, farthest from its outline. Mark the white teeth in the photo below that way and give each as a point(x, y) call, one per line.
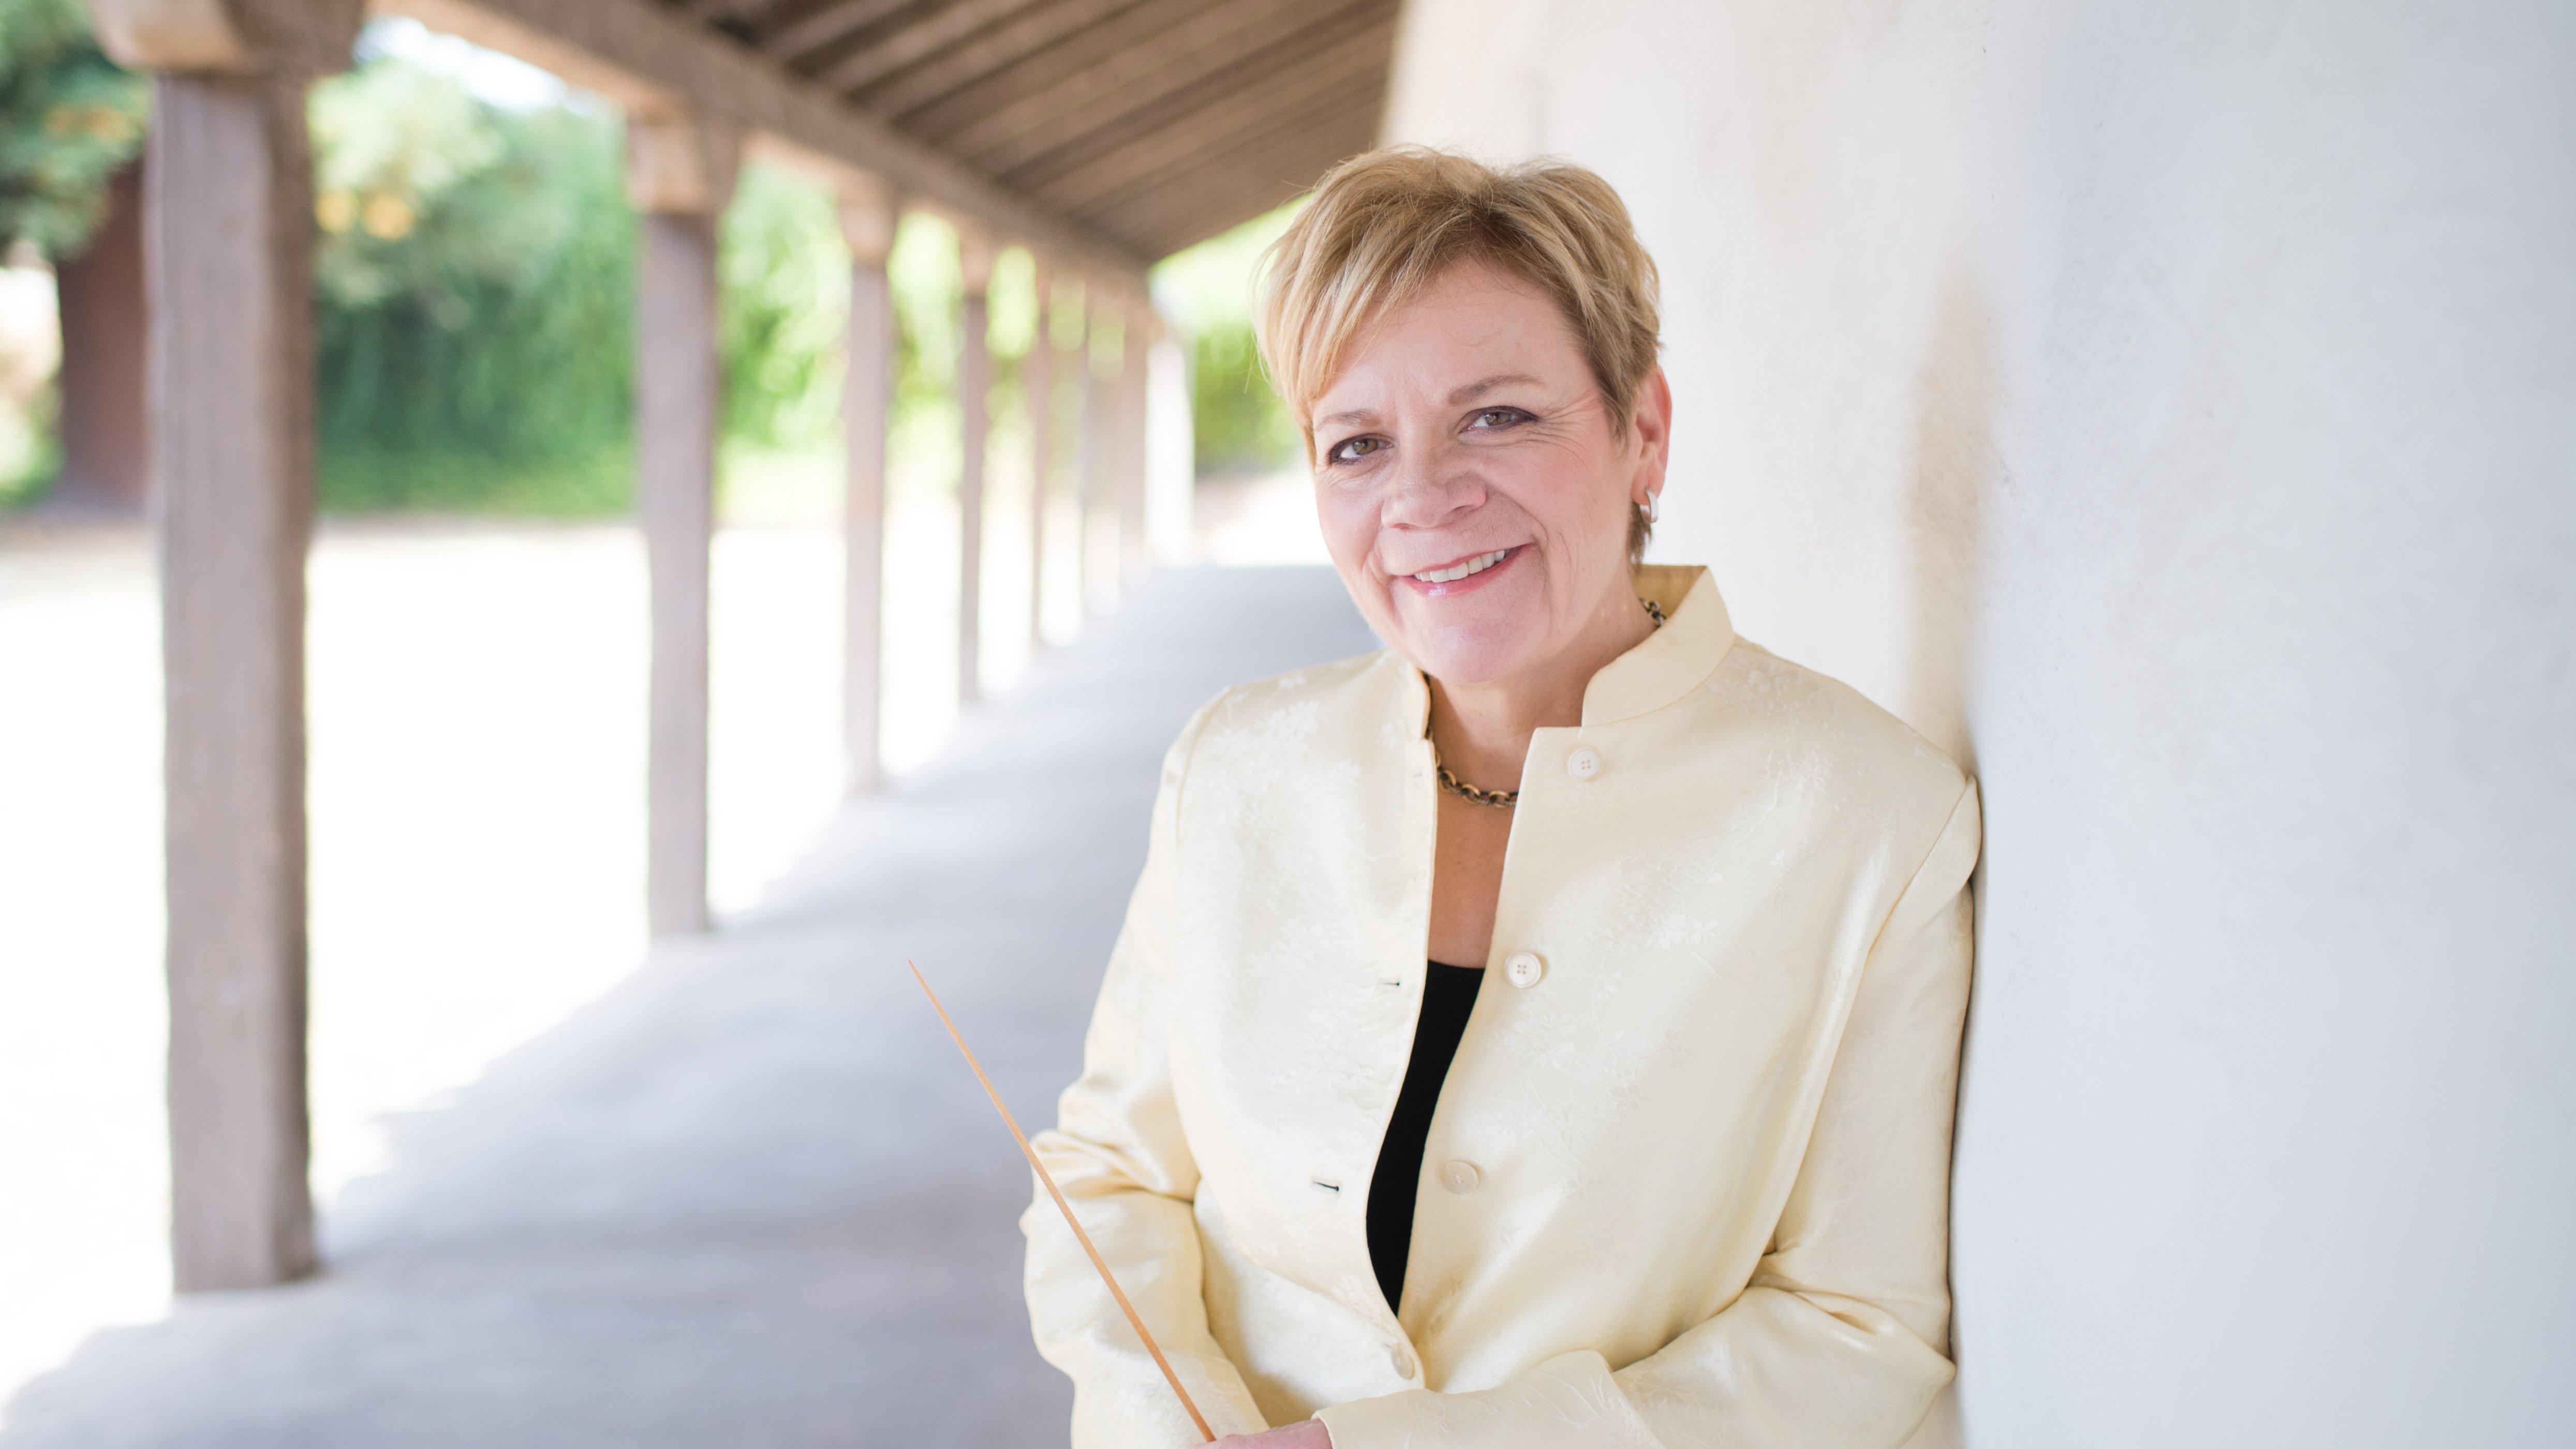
point(1476, 565)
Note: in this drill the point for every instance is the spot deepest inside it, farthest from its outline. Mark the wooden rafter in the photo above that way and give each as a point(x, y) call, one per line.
point(1337, 79)
point(648, 54)
point(1229, 186)
point(1156, 122)
point(820, 27)
point(1005, 135)
point(921, 36)
point(1176, 121)
point(1113, 30)
point(1038, 30)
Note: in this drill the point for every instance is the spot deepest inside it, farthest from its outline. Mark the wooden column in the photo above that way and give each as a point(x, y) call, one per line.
point(1135, 550)
point(867, 405)
point(231, 345)
point(228, 222)
point(105, 433)
point(974, 397)
point(1037, 385)
point(679, 173)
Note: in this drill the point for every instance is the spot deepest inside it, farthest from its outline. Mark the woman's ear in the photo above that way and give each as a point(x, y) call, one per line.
point(1651, 421)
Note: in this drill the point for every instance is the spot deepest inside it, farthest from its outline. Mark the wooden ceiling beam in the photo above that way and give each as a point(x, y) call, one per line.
point(1126, 28)
point(1035, 32)
point(1278, 78)
point(644, 55)
point(1239, 183)
point(902, 45)
point(1209, 213)
point(795, 43)
point(1098, 96)
point(725, 12)
point(1211, 113)
point(1203, 194)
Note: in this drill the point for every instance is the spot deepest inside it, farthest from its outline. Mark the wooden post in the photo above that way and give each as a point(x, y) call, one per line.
point(679, 173)
point(232, 403)
point(228, 222)
point(106, 439)
point(1037, 385)
point(974, 396)
point(1135, 552)
point(867, 403)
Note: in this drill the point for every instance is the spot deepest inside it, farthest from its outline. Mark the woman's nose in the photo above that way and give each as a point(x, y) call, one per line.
point(1429, 491)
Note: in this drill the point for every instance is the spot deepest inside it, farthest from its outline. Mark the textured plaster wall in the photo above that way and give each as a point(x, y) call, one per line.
point(2170, 409)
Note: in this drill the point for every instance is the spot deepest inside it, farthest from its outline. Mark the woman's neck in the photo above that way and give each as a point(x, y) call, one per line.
point(1482, 729)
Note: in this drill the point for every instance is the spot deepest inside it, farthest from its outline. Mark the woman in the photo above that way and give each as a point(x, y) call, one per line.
point(1544, 1031)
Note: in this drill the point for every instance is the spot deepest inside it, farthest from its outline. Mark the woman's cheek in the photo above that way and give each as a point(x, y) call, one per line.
point(1350, 542)
point(1349, 522)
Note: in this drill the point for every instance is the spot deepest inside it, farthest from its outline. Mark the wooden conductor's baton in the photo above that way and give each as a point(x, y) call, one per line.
point(1134, 1320)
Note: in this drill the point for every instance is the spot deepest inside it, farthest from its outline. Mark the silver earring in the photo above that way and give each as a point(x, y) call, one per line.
point(1653, 508)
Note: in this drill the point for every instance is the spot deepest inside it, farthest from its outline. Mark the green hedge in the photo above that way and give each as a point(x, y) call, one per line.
point(475, 281)
point(474, 292)
point(68, 120)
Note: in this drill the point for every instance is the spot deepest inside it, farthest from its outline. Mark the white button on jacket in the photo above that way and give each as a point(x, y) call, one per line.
point(1710, 1160)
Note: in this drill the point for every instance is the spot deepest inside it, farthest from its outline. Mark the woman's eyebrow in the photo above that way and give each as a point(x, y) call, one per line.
point(1483, 385)
point(1360, 417)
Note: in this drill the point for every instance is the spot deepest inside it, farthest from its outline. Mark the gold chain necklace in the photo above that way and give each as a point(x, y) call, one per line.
point(1506, 799)
point(1499, 799)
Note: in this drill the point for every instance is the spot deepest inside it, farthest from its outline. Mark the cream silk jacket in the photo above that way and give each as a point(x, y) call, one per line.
point(1688, 1180)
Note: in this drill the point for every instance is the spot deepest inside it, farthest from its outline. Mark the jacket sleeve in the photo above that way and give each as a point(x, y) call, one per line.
point(1840, 1338)
point(1118, 1153)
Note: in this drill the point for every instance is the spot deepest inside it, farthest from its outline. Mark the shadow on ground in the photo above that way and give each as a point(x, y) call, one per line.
point(750, 1197)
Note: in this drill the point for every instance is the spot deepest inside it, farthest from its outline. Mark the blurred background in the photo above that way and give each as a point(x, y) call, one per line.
point(477, 594)
point(2170, 412)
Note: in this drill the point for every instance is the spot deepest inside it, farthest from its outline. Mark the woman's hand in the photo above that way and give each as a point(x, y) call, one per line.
point(1304, 1434)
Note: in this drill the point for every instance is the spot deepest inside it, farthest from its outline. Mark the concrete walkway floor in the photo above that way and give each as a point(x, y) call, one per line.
point(751, 1197)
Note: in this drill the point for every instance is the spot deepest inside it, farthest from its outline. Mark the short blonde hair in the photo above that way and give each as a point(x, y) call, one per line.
point(1385, 225)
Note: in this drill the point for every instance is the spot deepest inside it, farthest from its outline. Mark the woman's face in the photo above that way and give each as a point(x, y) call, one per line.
point(1474, 491)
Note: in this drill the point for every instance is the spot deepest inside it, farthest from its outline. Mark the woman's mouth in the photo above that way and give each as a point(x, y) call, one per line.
point(1464, 568)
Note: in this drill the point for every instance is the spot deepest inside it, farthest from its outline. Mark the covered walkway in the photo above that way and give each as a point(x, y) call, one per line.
point(751, 1197)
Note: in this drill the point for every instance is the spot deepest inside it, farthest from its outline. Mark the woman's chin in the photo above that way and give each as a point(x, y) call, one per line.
point(1466, 654)
point(1494, 627)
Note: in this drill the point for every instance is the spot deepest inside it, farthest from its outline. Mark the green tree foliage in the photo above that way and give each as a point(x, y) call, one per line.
point(475, 289)
point(921, 272)
point(475, 278)
point(1237, 423)
point(475, 286)
point(68, 119)
point(786, 285)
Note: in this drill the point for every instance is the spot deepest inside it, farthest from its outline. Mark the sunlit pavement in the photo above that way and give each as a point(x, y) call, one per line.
point(477, 753)
point(476, 699)
point(477, 746)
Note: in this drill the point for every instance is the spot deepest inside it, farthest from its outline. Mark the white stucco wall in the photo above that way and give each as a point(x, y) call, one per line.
point(2172, 410)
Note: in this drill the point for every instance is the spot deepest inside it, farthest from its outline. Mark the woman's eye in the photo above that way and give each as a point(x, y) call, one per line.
point(1497, 418)
point(1354, 449)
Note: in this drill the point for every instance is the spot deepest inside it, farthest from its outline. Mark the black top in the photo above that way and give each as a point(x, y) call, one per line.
point(1447, 999)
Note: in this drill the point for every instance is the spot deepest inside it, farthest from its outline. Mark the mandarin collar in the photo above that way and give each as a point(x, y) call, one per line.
point(1672, 661)
point(1667, 664)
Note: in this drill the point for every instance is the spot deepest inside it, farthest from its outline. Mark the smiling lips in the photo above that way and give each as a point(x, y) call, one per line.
point(1462, 569)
